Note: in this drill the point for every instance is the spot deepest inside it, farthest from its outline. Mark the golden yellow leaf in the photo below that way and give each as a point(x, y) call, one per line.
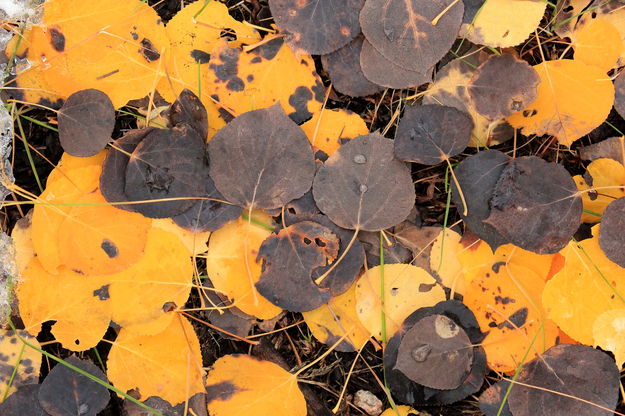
point(607, 175)
point(167, 364)
point(233, 267)
point(246, 386)
point(608, 331)
point(196, 243)
point(573, 99)
point(445, 262)
point(403, 411)
point(19, 358)
point(406, 289)
point(588, 285)
point(328, 128)
point(23, 240)
point(598, 44)
point(611, 11)
point(142, 294)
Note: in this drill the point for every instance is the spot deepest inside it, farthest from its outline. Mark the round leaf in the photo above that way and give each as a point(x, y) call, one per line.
point(612, 232)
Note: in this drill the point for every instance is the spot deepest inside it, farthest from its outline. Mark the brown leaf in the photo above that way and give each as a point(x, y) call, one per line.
point(23, 402)
point(611, 148)
point(188, 109)
point(619, 94)
point(491, 398)
point(612, 232)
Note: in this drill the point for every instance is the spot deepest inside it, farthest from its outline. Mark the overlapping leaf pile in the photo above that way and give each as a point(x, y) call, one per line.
point(295, 207)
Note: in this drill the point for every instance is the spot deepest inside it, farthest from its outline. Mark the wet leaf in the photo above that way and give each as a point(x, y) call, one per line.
point(598, 44)
point(148, 366)
point(588, 375)
point(402, 30)
point(502, 86)
point(430, 134)
point(237, 380)
point(343, 66)
point(328, 129)
point(276, 167)
point(317, 26)
point(504, 23)
point(611, 234)
point(86, 122)
point(232, 264)
point(271, 73)
point(66, 392)
point(573, 99)
point(19, 358)
point(23, 402)
point(535, 205)
point(606, 175)
point(363, 187)
point(406, 288)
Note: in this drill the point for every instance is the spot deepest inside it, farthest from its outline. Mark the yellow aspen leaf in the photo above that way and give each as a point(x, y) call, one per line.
point(196, 243)
point(445, 262)
point(19, 358)
point(233, 267)
point(167, 364)
point(270, 73)
point(114, 47)
point(610, 11)
point(333, 320)
point(506, 301)
point(607, 174)
point(79, 305)
point(609, 333)
point(329, 128)
point(573, 99)
point(23, 240)
point(402, 410)
point(141, 294)
point(246, 386)
point(474, 256)
point(68, 163)
point(98, 238)
point(588, 285)
point(598, 44)
point(504, 23)
point(406, 289)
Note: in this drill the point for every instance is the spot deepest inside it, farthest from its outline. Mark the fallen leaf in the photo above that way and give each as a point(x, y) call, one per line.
point(17, 358)
point(619, 94)
point(492, 398)
point(598, 44)
point(610, 11)
point(607, 175)
point(608, 331)
point(195, 242)
point(23, 402)
point(328, 129)
point(611, 236)
point(23, 240)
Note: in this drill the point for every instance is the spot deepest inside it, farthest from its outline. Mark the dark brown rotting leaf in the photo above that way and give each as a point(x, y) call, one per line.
point(477, 176)
point(317, 26)
point(348, 269)
point(209, 213)
point(23, 402)
point(502, 86)
point(386, 73)
point(419, 241)
point(148, 50)
point(230, 318)
point(396, 253)
point(436, 353)
point(261, 159)
point(289, 258)
point(431, 133)
point(86, 122)
point(343, 66)
point(67, 392)
point(113, 176)
point(403, 32)
point(363, 187)
point(167, 164)
point(535, 205)
point(196, 402)
point(491, 398)
point(619, 94)
point(612, 232)
point(189, 109)
point(471, 7)
point(405, 390)
point(575, 370)
point(611, 148)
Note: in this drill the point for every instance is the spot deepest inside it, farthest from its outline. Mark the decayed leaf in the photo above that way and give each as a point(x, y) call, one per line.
point(599, 44)
point(67, 392)
point(329, 322)
point(18, 357)
point(502, 86)
point(220, 312)
point(612, 232)
point(506, 300)
point(328, 129)
point(148, 365)
point(233, 267)
point(607, 175)
point(79, 305)
point(450, 88)
point(363, 187)
point(430, 134)
point(246, 386)
point(403, 30)
point(23, 402)
point(608, 332)
point(86, 122)
point(584, 375)
point(343, 66)
point(188, 109)
point(317, 26)
point(504, 23)
point(611, 148)
point(586, 270)
point(619, 94)
point(115, 48)
point(271, 73)
point(566, 14)
point(406, 288)
point(492, 398)
point(140, 294)
point(573, 99)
